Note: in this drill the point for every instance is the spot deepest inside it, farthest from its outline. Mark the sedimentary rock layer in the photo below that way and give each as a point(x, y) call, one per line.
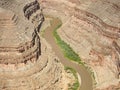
point(26, 59)
point(92, 30)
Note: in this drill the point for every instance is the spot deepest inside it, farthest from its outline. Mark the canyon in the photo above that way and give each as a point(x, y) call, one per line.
point(91, 28)
point(27, 61)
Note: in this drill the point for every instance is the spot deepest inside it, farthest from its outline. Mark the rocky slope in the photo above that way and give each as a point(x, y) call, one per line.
point(27, 61)
point(91, 28)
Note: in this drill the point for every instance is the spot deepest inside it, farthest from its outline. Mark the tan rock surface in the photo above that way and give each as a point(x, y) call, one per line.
point(92, 29)
point(27, 61)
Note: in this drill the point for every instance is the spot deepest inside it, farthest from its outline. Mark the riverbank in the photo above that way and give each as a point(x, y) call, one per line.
point(67, 50)
point(76, 83)
point(86, 80)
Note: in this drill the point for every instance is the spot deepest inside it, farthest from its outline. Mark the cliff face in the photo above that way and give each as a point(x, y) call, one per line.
point(26, 59)
point(19, 36)
point(92, 29)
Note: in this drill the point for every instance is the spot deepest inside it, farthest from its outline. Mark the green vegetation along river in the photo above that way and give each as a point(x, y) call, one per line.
point(86, 79)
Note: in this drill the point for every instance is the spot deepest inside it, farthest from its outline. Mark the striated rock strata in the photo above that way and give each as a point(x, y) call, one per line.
point(26, 59)
point(91, 28)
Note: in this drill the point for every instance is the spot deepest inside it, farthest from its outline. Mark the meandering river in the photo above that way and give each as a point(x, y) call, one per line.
point(86, 79)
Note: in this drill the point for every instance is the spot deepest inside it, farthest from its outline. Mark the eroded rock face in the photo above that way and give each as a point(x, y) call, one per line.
point(18, 35)
point(92, 30)
point(26, 59)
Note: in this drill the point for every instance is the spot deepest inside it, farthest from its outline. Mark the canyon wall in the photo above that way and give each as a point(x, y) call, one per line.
point(91, 28)
point(27, 61)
